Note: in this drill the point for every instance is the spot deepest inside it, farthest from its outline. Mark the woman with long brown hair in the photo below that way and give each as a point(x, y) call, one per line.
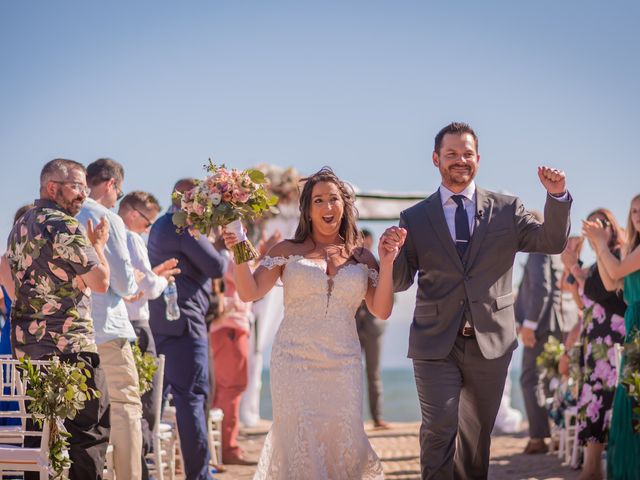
point(623, 451)
point(316, 368)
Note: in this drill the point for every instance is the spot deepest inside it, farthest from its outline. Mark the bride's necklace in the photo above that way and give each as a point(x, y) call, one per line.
point(327, 248)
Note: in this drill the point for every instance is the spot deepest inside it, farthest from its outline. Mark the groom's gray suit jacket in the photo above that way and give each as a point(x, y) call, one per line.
point(480, 282)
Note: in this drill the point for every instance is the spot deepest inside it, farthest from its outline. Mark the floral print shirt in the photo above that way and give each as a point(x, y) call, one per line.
point(47, 251)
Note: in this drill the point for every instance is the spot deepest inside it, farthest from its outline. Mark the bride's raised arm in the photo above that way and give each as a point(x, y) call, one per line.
point(253, 285)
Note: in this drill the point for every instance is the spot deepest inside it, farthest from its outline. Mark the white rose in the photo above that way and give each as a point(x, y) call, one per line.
point(215, 198)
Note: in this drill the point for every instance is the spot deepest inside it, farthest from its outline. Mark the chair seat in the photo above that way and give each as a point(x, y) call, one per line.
point(12, 455)
point(216, 415)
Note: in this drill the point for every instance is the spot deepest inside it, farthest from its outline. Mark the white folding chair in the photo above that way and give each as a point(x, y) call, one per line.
point(214, 430)
point(165, 438)
point(14, 456)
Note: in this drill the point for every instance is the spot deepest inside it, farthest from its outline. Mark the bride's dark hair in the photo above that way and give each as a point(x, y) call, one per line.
point(348, 229)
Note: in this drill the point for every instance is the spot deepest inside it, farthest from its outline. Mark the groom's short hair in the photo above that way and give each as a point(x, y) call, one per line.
point(454, 127)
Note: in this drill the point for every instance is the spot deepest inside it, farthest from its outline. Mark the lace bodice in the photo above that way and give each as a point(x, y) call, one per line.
point(316, 376)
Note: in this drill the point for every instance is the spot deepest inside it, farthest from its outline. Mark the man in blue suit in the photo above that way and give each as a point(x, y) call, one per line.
point(184, 341)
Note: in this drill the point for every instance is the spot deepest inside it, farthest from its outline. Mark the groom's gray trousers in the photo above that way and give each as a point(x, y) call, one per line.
point(459, 400)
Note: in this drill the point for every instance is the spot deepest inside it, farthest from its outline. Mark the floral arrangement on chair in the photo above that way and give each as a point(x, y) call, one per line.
point(223, 198)
point(146, 366)
point(58, 391)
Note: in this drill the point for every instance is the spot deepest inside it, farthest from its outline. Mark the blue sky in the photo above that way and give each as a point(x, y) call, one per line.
point(361, 86)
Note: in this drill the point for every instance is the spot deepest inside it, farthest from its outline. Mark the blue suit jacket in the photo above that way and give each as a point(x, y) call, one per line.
point(199, 262)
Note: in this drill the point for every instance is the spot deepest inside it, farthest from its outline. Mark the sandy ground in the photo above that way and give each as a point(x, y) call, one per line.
point(399, 451)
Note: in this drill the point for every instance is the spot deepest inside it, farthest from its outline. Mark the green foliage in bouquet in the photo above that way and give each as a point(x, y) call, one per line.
point(549, 359)
point(146, 366)
point(222, 197)
point(59, 391)
point(631, 375)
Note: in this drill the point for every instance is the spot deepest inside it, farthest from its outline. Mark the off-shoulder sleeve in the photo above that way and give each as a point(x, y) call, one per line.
point(271, 262)
point(373, 276)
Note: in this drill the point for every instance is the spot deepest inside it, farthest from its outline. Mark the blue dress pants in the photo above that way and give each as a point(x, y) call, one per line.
point(186, 376)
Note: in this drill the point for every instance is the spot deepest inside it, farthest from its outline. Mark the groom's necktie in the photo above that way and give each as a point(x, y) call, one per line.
point(462, 225)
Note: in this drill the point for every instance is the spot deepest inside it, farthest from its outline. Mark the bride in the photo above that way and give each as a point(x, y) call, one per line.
point(316, 368)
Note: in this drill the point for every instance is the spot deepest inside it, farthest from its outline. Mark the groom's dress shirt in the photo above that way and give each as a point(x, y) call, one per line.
point(449, 207)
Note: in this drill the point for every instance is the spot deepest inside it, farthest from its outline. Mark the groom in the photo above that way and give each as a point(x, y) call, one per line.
point(462, 241)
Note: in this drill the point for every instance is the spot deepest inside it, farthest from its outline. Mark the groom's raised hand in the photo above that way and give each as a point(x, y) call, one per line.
point(554, 180)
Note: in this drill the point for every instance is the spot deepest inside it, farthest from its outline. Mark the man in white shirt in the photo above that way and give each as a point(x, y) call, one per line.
point(138, 211)
point(112, 328)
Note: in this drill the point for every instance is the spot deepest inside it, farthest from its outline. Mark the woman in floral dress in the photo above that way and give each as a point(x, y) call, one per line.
point(623, 454)
point(602, 326)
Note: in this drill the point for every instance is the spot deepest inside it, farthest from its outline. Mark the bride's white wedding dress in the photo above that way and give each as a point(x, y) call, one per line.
point(316, 377)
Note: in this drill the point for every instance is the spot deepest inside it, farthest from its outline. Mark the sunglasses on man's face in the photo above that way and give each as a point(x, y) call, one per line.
point(149, 222)
point(75, 186)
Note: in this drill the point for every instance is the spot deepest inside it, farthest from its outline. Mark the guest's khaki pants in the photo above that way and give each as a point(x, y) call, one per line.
point(116, 359)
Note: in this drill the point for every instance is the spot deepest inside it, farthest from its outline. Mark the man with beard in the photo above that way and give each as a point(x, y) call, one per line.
point(53, 264)
point(113, 328)
point(462, 242)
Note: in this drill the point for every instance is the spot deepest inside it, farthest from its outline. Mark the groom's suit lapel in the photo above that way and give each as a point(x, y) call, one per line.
point(435, 214)
point(484, 210)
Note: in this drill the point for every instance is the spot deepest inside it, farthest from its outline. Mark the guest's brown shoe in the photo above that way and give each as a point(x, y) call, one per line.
point(535, 446)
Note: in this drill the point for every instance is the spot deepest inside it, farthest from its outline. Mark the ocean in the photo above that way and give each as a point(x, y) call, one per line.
point(400, 400)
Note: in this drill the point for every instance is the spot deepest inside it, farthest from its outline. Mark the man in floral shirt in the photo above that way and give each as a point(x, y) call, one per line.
point(55, 264)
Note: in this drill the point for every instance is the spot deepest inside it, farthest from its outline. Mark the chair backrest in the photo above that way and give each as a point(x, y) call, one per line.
point(158, 392)
point(13, 389)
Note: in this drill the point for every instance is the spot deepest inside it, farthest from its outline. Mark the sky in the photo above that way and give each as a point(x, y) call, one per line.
point(362, 86)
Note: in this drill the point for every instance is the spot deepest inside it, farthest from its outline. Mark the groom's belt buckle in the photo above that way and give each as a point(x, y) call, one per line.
point(467, 332)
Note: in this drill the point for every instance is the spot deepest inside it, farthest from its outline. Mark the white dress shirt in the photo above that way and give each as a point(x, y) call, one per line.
point(449, 206)
point(152, 285)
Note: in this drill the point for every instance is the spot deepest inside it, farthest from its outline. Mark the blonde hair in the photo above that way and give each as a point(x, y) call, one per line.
point(633, 236)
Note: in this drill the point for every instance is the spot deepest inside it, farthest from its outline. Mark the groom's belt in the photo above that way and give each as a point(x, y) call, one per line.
point(467, 331)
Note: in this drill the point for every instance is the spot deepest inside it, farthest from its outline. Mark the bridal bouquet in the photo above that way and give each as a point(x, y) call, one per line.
point(224, 198)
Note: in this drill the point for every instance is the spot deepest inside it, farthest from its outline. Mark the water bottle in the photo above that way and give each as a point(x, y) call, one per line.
point(172, 311)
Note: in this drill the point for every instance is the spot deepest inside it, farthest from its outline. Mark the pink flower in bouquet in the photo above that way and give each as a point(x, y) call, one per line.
point(198, 209)
point(221, 198)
